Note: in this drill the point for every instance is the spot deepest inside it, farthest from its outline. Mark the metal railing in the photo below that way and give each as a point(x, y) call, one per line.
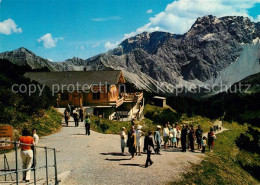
point(16, 171)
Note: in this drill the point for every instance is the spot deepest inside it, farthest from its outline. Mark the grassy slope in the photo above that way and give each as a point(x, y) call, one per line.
point(46, 121)
point(153, 115)
point(168, 114)
point(223, 165)
point(114, 127)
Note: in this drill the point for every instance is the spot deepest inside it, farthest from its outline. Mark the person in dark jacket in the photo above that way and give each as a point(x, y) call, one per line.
point(68, 108)
point(199, 133)
point(131, 142)
point(148, 146)
point(191, 138)
point(183, 138)
point(81, 113)
point(66, 117)
point(76, 117)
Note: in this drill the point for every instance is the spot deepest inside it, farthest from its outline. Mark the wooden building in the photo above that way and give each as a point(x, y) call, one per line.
point(159, 101)
point(99, 92)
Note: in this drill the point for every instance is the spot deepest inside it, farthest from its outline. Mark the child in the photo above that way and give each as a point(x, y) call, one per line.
point(203, 144)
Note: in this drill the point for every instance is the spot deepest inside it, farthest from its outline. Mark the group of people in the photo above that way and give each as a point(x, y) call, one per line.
point(133, 142)
point(28, 141)
point(77, 114)
point(173, 135)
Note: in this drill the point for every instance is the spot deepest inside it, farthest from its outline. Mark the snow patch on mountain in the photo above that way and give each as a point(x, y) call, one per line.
point(246, 64)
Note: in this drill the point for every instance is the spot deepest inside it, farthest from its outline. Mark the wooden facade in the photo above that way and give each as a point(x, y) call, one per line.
point(103, 95)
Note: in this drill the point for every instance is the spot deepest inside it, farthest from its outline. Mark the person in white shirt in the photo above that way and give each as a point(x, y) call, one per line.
point(166, 133)
point(36, 141)
point(139, 133)
point(123, 140)
point(174, 140)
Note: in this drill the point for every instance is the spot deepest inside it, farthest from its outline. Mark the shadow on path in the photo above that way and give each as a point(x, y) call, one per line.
point(130, 164)
point(115, 154)
point(117, 159)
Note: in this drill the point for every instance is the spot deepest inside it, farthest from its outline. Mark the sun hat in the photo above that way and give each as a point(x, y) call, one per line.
point(139, 127)
point(158, 126)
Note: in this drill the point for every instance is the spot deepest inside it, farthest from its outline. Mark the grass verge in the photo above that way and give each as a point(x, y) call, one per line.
point(224, 165)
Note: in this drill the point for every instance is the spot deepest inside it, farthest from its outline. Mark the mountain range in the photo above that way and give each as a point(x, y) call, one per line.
point(215, 51)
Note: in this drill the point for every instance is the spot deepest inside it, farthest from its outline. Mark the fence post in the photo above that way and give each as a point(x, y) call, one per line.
point(16, 162)
point(46, 160)
point(55, 164)
point(5, 164)
point(34, 165)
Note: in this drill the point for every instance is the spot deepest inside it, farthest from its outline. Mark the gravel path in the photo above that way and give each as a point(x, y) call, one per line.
point(96, 159)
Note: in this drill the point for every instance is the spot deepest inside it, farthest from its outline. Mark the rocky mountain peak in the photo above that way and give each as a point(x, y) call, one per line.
point(146, 41)
point(213, 50)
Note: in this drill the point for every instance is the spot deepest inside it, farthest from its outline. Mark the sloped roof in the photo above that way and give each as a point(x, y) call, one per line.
point(66, 78)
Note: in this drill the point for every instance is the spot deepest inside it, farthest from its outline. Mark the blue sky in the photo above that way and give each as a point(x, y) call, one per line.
point(61, 29)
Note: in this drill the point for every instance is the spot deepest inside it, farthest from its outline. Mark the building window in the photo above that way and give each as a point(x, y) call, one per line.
point(64, 96)
point(96, 96)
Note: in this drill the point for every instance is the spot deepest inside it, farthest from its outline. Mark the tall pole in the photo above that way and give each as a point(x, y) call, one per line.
point(16, 162)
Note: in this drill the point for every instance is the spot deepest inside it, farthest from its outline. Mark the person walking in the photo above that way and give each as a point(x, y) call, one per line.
point(139, 133)
point(81, 113)
point(183, 138)
point(66, 117)
point(87, 124)
point(166, 134)
point(132, 142)
point(178, 136)
point(174, 134)
point(211, 137)
point(68, 108)
point(26, 153)
point(170, 136)
point(198, 134)
point(191, 138)
point(123, 140)
point(76, 117)
point(204, 144)
point(158, 140)
point(36, 141)
point(148, 146)
point(187, 138)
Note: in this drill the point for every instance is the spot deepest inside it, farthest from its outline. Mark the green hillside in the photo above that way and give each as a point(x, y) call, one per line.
point(22, 110)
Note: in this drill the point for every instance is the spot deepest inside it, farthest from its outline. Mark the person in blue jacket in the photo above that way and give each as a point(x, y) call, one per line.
point(157, 140)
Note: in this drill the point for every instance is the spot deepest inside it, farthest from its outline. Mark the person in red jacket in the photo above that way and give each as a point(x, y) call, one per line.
point(26, 153)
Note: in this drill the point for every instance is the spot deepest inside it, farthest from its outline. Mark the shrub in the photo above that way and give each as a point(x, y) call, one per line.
point(249, 141)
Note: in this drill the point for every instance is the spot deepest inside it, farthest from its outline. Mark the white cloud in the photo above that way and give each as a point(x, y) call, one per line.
point(8, 27)
point(110, 45)
point(149, 11)
point(102, 19)
point(179, 15)
point(49, 41)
